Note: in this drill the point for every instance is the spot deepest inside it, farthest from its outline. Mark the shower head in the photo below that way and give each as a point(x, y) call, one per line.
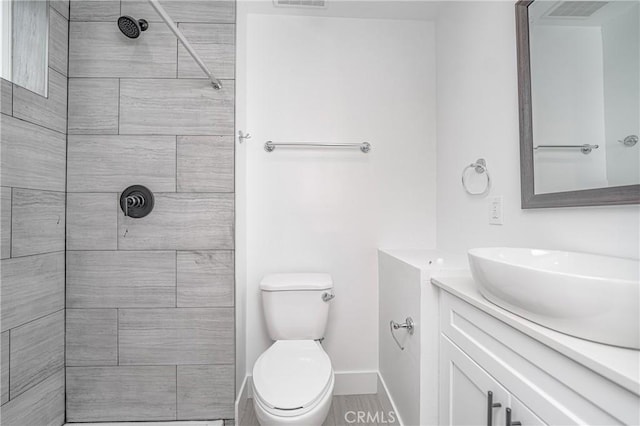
point(131, 27)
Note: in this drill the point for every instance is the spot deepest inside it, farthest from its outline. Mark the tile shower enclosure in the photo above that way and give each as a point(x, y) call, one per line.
point(149, 302)
point(33, 152)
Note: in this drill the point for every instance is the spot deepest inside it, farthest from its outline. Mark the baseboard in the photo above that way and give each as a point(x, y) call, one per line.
point(386, 400)
point(356, 382)
point(241, 401)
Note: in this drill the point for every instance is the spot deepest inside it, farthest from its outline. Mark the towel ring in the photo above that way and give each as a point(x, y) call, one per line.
point(480, 166)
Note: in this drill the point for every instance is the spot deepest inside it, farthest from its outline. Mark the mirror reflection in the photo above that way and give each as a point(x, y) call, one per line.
point(24, 34)
point(585, 91)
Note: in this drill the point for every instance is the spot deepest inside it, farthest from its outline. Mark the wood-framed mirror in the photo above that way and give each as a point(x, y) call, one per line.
point(579, 102)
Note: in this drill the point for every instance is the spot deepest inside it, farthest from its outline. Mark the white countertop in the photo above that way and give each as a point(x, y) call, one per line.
point(619, 365)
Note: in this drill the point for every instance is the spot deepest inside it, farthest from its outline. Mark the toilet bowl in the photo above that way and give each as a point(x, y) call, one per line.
point(293, 384)
point(293, 379)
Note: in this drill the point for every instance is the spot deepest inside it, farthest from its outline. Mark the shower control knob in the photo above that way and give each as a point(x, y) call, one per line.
point(136, 201)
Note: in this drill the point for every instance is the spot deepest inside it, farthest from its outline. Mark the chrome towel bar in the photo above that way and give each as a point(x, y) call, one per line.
point(585, 149)
point(269, 146)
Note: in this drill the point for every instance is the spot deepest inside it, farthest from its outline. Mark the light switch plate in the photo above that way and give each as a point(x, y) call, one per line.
point(495, 210)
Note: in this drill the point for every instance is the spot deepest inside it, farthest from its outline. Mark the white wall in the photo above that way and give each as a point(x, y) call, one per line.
point(339, 80)
point(240, 205)
point(568, 107)
point(400, 290)
point(621, 39)
point(411, 375)
point(477, 116)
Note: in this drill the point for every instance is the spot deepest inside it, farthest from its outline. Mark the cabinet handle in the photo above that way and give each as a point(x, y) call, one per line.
point(490, 406)
point(509, 422)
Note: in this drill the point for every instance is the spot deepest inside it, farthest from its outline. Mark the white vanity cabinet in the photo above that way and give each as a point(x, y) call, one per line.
point(473, 393)
point(467, 390)
point(538, 384)
point(520, 412)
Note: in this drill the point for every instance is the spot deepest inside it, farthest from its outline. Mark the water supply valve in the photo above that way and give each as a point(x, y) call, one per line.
point(136, 201)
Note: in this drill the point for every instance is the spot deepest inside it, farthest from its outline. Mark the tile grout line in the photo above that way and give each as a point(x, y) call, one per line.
point(118, 207)
point(24, 256)
point(177, 54)
point(143, 308)
point(56, 371)
point(57, 132)
point(9, 396)
point(66, 214)
point(41, 190)
point(117, 218)
point(11, 224)
point(176, 392)
point(34, 189)
point(34, 320)
point(176, 280)
point(146, 135)
point(117, 336)
point(94, 20)
point(27, 120)
point(119, 93)
point(176, 165)
point(9, 373)
point(99, 77)
point(145, 365)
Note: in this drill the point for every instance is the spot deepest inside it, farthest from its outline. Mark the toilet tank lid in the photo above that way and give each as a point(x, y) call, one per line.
point(297, 281)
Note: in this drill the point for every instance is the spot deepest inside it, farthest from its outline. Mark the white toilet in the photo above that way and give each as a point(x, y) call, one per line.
point(293, 379)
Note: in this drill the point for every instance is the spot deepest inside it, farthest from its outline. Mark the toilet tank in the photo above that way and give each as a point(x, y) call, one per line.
point(294, 307)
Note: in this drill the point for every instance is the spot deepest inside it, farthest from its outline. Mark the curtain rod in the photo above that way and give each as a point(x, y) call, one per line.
point(172, 25)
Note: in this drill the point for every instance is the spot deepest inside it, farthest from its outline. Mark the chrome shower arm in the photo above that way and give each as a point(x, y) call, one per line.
point(173, 27)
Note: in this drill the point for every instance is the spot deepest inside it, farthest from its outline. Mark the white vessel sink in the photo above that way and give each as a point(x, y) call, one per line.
point(584, 295)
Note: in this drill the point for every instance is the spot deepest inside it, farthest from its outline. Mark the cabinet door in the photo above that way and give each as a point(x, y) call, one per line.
point(520, 413)
point(464, 390)
point(556, 388)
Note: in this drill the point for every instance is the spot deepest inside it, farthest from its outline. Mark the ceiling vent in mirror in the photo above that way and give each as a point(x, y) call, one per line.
point(576, 9)
point(316, 4)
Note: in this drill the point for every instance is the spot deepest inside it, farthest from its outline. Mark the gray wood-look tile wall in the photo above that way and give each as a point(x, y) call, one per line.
point(208, 11)
point(32, 213)
point(92, 337)
point(150, 302)
point(121, 279)
point(112, 163)
point(86, 116)
point(36, 352)
point(112, 393)
point(43, 404)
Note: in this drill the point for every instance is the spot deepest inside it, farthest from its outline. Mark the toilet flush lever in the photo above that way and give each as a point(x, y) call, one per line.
point(326, 296)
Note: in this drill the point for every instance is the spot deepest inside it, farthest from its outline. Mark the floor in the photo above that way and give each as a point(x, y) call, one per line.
point(175, 423)
point(346, 410)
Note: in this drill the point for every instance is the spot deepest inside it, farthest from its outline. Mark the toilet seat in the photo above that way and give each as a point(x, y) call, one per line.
point(292, 377)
